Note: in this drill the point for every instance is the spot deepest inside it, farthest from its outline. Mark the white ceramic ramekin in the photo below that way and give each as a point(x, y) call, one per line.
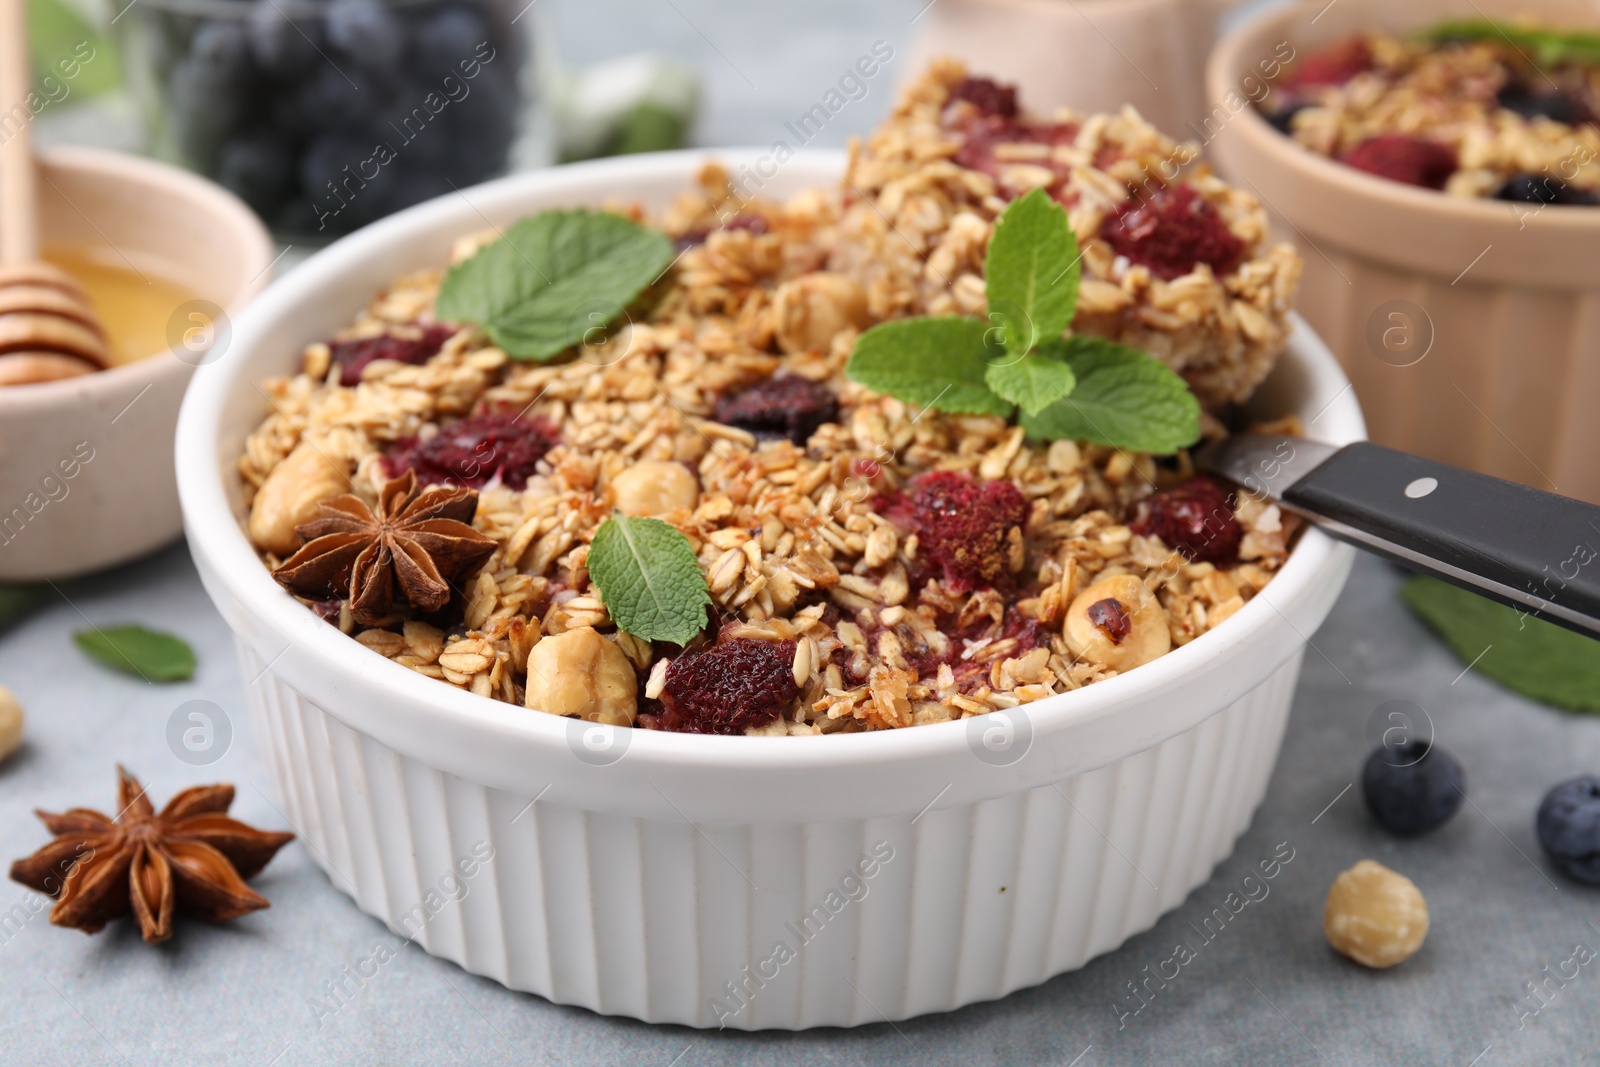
point(85, 481)
point(657, 875)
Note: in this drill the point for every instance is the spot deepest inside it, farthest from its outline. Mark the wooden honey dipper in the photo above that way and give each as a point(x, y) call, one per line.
point(48, 327)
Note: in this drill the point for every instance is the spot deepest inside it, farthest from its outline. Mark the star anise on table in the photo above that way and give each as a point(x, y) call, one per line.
point(191, 858)
point(415, 543)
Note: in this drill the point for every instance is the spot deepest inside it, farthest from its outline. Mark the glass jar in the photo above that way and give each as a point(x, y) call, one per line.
point(325, 116)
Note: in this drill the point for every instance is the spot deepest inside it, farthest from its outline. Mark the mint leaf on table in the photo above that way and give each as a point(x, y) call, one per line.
point(1123, 399)
point(932, 362)
point(1031, 272)
point(153, 656)
point(552, 278)
point(649, 579)
point(1527, 655)
point(1033, 382)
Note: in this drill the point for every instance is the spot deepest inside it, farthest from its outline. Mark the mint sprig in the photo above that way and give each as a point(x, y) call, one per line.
point(1123, 399)
point(1079, 387)
point(1526, 654)
point(552, 279)
point(649, 579)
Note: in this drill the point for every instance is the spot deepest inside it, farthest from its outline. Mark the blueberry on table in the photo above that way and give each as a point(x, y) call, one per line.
point(366, 31)
point(1413, 787)
point(280, 46)
point(258, 165)
point(1568, 825)
point(1545, 189)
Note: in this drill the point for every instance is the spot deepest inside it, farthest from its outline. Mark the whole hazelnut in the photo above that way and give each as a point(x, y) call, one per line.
point(1375, 916)
point(11, 718)
point(1118, 623)
point(654, 487)
point(580, 674)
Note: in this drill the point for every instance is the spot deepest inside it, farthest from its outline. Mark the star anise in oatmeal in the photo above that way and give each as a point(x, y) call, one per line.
point(415, 544)
point(190, 858)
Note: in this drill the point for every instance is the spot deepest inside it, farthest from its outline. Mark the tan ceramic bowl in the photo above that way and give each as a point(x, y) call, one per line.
point(1471, 335)
point(86, 472)
point(1089, 55)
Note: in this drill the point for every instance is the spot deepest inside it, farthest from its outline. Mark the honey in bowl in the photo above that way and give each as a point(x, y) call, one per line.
point(134, 299)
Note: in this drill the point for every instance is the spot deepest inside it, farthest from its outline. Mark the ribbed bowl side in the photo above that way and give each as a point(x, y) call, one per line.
point(1507, 387)
point(752, 927)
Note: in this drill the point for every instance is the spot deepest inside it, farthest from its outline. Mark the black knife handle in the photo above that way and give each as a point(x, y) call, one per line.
point(1530, 549)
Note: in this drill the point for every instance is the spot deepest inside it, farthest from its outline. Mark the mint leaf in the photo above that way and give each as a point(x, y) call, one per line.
point(1530, 656)
point(553, 278)
point(1124, 399)
point(153, 656)
point(1550, 47)
point(649, 579)
point(937, 362)
point(1033, 382)
point(1031, 272)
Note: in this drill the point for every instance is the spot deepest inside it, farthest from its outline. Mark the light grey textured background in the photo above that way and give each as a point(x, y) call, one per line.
point(1266, 990)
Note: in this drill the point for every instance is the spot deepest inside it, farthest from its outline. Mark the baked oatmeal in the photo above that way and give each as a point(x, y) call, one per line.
point(1471, 108)
point(858, 561)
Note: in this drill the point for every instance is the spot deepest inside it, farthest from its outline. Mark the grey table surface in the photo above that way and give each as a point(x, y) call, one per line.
point(1266, 990)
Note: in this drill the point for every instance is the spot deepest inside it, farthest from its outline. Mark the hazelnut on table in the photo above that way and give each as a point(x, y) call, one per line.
point(1375, 916)
point(11, 718)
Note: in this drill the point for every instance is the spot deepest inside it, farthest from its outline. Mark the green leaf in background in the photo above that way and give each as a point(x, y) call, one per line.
point(552, 278)
point(937, 362)
point(1031, 272)
point(649, 127)
point(649, 579)
point(1123, 398)
point(17, 601)
point(64, 46)
point(1528, 655)
point(153, 656)
point(1548, 47)
point(1033, 382)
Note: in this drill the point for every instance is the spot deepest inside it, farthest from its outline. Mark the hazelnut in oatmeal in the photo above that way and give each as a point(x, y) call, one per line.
point(713, 519)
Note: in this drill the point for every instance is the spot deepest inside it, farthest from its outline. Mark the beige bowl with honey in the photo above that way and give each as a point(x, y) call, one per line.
point(86, 469)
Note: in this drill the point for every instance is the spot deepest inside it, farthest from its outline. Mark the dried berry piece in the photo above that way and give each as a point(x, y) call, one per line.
point(1334, 65)
point(474, 451)
point(352, 357)
point(1170, 231)
point(1112, 619)
point(729, 688)
point(1195, 520)
point(787, 406)
point(1404, 159)
point(963, 526)
point(987, 95)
